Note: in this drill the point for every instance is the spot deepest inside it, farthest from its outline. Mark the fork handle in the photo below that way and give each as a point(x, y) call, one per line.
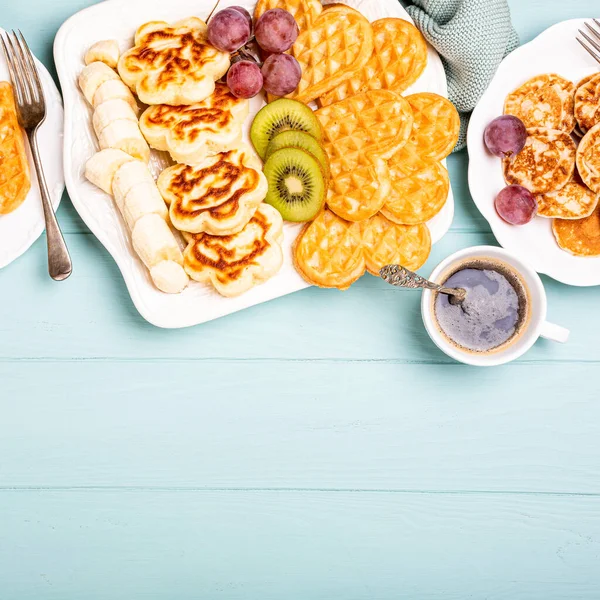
point(59, 261)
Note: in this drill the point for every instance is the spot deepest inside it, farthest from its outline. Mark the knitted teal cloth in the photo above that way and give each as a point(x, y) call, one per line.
point(472, 37)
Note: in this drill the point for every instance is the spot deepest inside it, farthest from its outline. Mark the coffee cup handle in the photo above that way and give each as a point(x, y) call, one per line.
point(555, 333)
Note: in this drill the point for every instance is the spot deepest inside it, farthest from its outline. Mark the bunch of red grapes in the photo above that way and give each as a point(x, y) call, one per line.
point(275, 32)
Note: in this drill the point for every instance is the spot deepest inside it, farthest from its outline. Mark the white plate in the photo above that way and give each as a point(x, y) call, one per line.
point(118, 19)
point(20, 228)
point(554, 51)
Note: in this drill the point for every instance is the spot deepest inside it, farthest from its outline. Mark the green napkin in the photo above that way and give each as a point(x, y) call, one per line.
point(471, 37)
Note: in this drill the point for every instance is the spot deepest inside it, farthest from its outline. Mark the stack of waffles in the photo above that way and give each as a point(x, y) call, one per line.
point(385, 149)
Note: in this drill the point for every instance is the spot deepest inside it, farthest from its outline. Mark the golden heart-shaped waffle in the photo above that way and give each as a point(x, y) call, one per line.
point(328, 252)
point(306, 12)
point(417, 197)
point(334, 253)
point(378, 123)
point(336, 47)
point(436, 126)
point(398, 59)
point(386, 243)
point(359, 193)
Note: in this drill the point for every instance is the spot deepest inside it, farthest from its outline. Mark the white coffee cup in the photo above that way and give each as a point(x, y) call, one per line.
point(536, 327)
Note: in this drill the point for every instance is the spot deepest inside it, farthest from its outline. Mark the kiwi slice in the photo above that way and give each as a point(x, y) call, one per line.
point(299, 139)
point(296, 184)
point(282, 115)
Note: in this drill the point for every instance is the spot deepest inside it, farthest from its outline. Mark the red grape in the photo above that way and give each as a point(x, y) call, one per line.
point(516, 205)
point(282, 74)
point(244, 12)
point(505, 136)
point(229, 30)
point(276, 30)
point(245, 79)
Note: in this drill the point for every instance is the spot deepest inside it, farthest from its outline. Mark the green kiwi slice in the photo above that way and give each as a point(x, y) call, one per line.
point(282, 115)
point(296, 184)
point(299, 139)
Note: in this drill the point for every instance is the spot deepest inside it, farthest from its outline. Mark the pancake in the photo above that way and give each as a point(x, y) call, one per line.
point(545, 164)
point(588, 158)
point(173, 64)
point(219, 196)
point(191, 133)
point(587, 102)
point(574, 201)
point(581, 237)
point(233, 264)
point(545, 101)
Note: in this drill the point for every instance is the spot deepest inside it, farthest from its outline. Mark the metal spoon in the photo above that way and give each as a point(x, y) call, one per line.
point(401, 277)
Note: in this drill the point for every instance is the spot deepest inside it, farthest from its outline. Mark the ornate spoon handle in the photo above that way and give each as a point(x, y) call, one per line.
point(402, 277)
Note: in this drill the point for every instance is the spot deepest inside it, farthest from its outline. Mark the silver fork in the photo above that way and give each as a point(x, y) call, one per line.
point(589, 43)
point(31, 110)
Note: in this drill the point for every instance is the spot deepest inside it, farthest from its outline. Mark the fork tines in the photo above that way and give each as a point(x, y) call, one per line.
point(26, 81)
point(588, 42)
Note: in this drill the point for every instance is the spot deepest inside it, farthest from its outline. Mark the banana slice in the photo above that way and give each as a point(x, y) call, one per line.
point(143, 199)
point(106, 51)
point(125, 135)
point(154, 241)
point(101, 168)
point(113, 89)
point(169, 277)
point(109, 111)
point(130, 175)
point(93, 76)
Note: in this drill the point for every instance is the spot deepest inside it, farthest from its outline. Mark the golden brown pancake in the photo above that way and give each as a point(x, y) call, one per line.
point(190, 133)
point(587, 102)
point(545, 164)
point(173, 64)
point(588, 158)
point(545, 101)
point(574, 201)
point(581, 237)
point(236, 263)
point(218, 197)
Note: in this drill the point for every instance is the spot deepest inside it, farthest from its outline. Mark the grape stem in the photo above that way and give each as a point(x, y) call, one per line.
point(212, 12)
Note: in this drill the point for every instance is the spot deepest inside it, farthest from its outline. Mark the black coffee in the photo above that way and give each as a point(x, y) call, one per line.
point(493, 312)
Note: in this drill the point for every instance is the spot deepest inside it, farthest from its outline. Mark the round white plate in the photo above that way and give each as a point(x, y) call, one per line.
point(199, 302)
point(554, 51)
point(19, 229)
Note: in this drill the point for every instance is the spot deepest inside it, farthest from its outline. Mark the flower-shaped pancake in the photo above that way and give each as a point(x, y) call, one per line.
point(219, 196)
point(236, 263)
point(173, 64)
point(191, 133)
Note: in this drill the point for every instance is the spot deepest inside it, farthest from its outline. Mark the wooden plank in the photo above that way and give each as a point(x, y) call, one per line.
point(91, 316)
point(325, 425)
point(273, 545)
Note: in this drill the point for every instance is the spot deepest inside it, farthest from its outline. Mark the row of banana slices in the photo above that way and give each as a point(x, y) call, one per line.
point(121, 168)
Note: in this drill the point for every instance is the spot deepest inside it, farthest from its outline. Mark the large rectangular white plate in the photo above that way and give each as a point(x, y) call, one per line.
point(118, 19)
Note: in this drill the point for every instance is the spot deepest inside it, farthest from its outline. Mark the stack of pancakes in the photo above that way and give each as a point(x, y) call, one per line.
point(385, 150)
point(215, 192)
point(560, 163)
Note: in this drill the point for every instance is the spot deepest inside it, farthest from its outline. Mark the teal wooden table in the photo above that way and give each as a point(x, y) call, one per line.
point(316, 447)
